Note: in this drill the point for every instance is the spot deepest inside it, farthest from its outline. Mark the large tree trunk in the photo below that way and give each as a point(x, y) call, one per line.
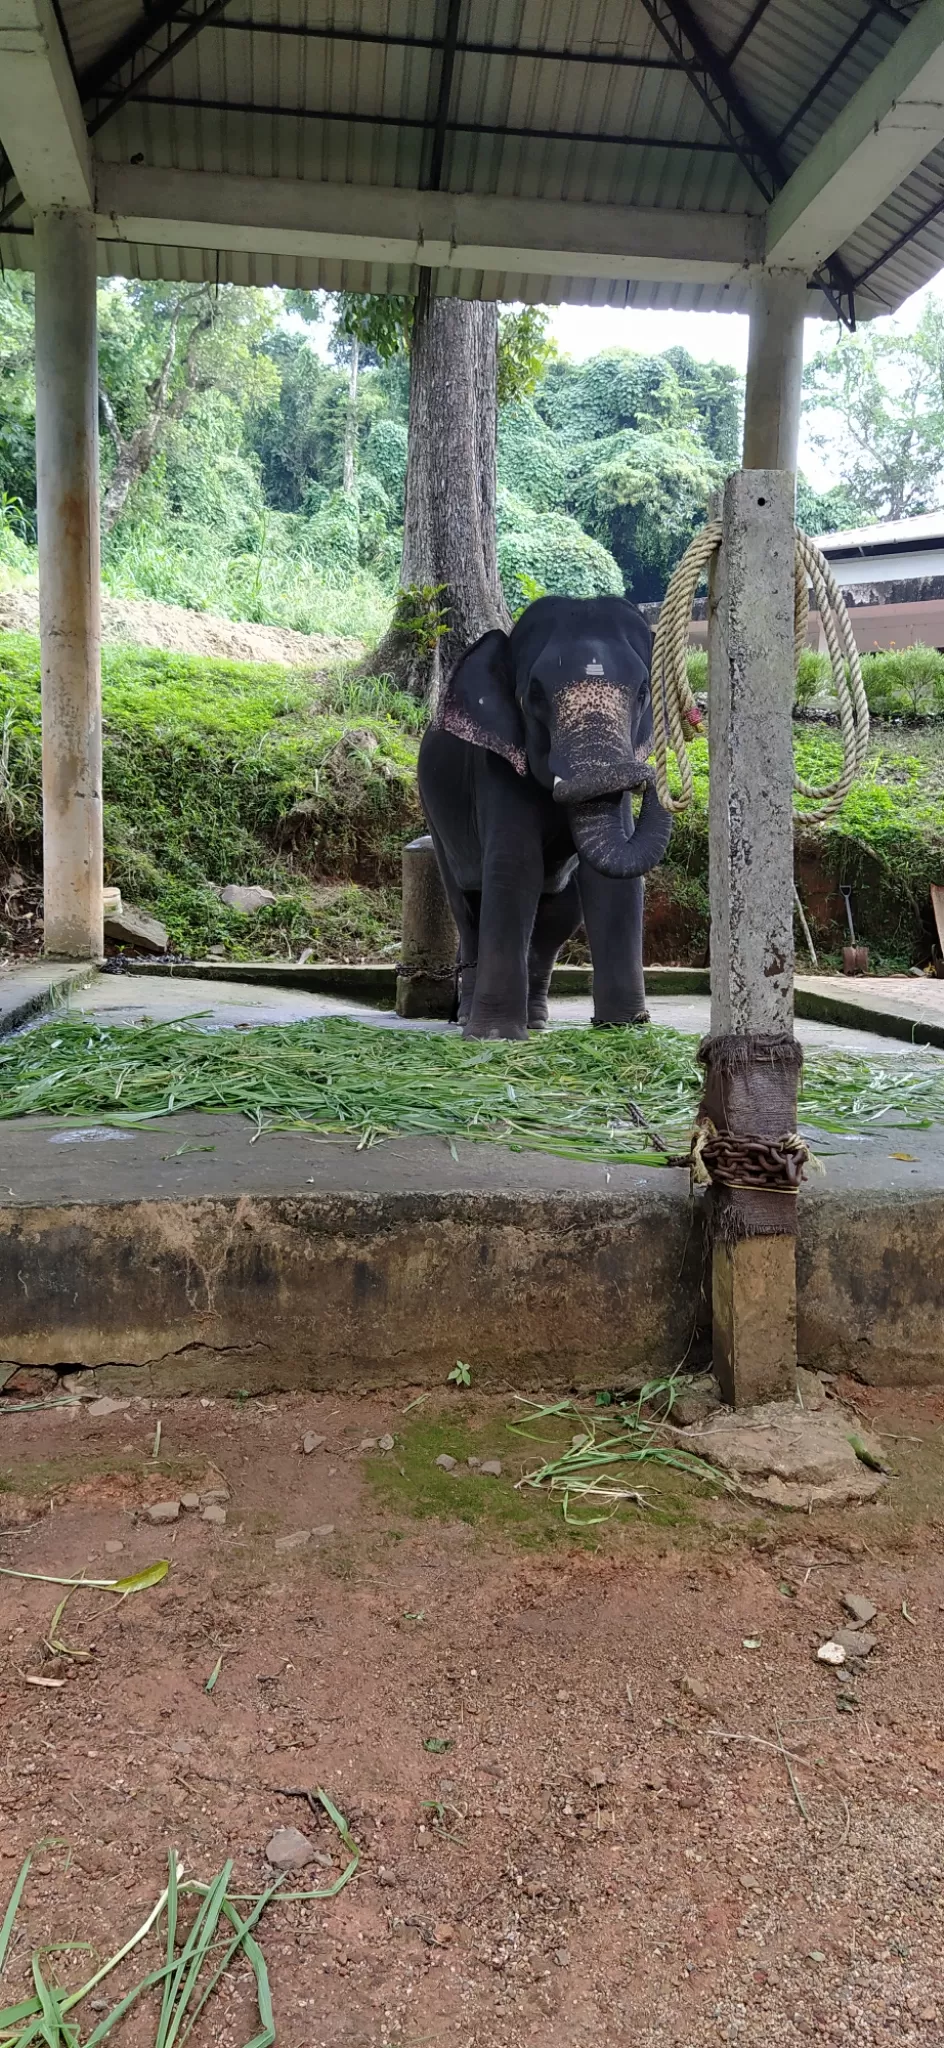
point(449, 571)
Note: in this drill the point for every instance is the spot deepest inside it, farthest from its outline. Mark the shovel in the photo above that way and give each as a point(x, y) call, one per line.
point(855, 958)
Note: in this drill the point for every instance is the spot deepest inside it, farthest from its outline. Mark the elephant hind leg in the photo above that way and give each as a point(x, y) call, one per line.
point(557, 920)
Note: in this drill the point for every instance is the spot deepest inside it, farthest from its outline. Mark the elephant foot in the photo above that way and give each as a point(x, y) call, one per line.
point(537, 1016)
point(621, 1023)
point(495, 1030)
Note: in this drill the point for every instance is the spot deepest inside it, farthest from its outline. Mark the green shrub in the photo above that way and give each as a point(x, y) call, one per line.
point(553, 551)
point(532, 463)
point(219, 771)
point(385, 458)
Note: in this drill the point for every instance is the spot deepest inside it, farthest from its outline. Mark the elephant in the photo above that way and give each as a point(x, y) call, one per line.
point(526, 775)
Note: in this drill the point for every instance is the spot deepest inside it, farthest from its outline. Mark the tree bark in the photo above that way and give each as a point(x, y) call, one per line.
point(350, 424)
point(450, 551)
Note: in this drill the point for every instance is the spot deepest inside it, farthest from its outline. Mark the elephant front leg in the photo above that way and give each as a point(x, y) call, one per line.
point(557, 919)
point(613, 914)
point(511, 886)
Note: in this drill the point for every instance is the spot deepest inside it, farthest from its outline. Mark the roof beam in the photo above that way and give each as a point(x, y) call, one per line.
point(437, 230)
point(709, 73)
point(888, 127)
point(41, 123)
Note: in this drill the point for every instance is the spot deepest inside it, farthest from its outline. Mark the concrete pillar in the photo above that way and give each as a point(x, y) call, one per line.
point(774, 371)
point(751, 1058)
point(426, 975)
point(69, 595)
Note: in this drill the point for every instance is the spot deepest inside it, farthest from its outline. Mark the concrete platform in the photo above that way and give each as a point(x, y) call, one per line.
point(298, 1261)
point(130, 998)
point(182, 1256)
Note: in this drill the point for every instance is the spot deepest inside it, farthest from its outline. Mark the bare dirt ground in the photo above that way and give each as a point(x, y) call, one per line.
point(602, 1845)
point(141, 622)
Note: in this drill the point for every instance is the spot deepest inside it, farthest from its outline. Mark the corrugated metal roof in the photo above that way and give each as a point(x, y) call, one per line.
point(575, 100)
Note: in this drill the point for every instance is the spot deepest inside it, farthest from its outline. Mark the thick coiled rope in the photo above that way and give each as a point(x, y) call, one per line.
point(675, 714)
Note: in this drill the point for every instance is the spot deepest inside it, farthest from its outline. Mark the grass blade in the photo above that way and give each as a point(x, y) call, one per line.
point(243, 1929)
point(192, 1957)
point(52, 2028)
point(167, 1999)
point(12, 1909)
point(151, 1576)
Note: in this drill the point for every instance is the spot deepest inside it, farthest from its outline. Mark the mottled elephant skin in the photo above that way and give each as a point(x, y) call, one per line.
point(524, 777)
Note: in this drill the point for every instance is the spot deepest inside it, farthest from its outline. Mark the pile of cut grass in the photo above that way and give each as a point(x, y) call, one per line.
point(621, 1096)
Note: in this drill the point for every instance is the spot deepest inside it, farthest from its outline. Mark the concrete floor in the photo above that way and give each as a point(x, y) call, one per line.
point(130, 999)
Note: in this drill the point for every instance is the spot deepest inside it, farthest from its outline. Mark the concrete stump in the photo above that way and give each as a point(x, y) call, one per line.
point(426, 973)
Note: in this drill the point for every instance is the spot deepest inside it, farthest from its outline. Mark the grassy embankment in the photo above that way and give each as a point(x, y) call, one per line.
point(221, 772)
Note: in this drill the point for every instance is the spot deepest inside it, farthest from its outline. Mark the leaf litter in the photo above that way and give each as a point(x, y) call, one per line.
point(623, 1096)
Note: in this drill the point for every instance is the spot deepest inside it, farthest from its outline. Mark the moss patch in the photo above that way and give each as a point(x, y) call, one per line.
point(409, 1482)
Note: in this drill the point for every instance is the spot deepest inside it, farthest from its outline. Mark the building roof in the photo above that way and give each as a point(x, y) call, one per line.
point(700, 111)
point(897, 550)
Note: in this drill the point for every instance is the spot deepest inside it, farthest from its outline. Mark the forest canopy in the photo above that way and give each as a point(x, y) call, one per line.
point(247, 470)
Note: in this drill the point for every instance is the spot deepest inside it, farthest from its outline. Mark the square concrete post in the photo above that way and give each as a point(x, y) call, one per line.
point(751, 1056)
point(774, 371)
point(69, 594)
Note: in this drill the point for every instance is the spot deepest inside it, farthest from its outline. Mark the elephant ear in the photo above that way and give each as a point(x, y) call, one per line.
point(479, 702)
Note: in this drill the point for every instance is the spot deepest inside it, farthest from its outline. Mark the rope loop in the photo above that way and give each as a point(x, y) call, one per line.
point(676, 718)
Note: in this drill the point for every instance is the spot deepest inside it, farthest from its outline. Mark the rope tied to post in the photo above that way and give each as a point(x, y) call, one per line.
point(676, 717)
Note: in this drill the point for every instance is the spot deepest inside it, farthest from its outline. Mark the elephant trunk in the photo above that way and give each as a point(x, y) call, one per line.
point(604, 834)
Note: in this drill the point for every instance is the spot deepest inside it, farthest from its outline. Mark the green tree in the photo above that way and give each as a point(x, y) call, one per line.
point(832, 511)
point(160, 345)
point(876, 401)
point(643, 495)
point(18, 398)
point(524, 351)
point(298, 432)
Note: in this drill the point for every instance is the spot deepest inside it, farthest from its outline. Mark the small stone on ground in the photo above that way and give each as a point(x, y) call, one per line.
point(311, 1442)
point(860, 1608)
point(216, 1515)
point(491, 1468)
point(289, 1849)
point(445, 1463)
point(294, 1541)
point(106, 1405)
point(855, 1642)
point(163, 1511)
point(246, 900)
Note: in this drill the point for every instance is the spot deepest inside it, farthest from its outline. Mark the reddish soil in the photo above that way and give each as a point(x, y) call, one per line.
point(594, 1857)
